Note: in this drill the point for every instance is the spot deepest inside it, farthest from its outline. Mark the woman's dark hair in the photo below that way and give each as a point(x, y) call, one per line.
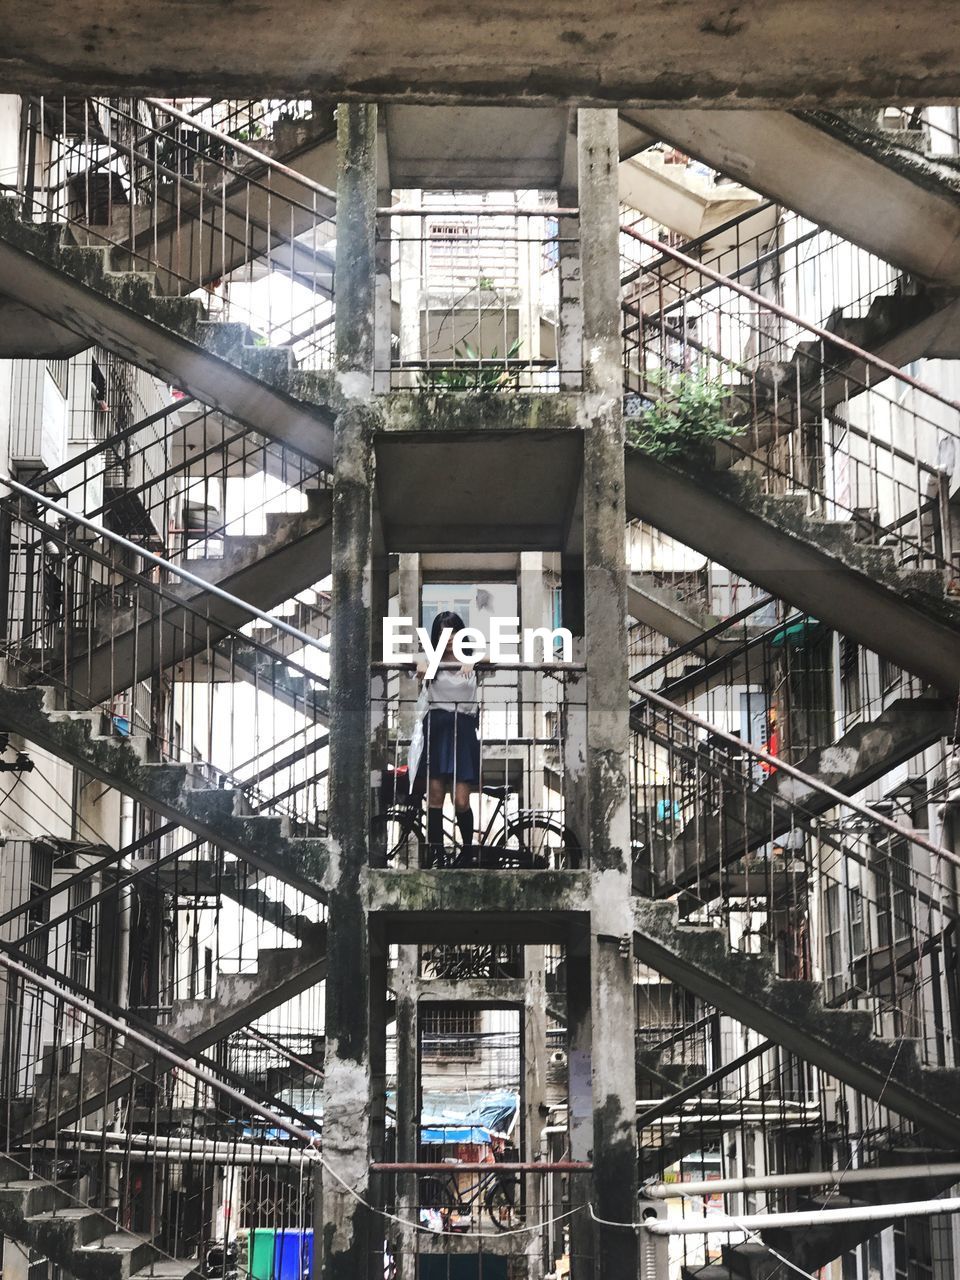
point(446, 619)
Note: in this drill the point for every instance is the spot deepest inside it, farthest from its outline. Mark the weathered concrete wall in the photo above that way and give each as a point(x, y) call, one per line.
point(773, 51)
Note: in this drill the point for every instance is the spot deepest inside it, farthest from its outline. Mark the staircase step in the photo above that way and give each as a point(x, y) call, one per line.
point(215, 814)
point(750, 1261)
point(115, 1256)
point(68, 1230)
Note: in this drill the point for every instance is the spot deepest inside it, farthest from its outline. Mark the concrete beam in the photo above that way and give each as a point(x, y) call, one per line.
point(834, 174)
point(604, 53)
point(463, 907)
point(770, 547)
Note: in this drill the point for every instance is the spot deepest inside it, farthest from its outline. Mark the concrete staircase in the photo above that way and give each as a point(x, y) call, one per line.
point(85, 1242)
point(816, 565)
point(792, 1013)
point(209, 234)
point(835, 170)
point(104, 1070)
point(179, 792)
point(136, 643)
point(859, 757)
point(208, 879)
point(223, 364)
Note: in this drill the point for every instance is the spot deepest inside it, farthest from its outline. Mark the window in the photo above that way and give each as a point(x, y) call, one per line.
point(850, 676)
point(59, 371)
point(832, 942)
point(894, 908)
point(81, 933)
point(450, 1032)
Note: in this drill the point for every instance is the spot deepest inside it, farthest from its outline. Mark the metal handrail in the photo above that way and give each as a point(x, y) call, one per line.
point(808, 779)
point(832, 339)
point(236, 145)
point(152, 558)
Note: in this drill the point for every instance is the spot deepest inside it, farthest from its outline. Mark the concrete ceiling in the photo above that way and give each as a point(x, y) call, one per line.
point(773, 52)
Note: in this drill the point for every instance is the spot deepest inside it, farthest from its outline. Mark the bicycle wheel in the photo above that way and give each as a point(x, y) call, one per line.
point(500, 1203)
point(536, 842)
point(397, 835)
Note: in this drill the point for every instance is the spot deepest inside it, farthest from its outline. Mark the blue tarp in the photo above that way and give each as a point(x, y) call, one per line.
point(446, 1117)
point(468, 1118)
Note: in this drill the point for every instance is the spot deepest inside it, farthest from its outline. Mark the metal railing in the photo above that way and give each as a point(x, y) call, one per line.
point(827, 886)
point(208, 214)
point(175, 647)
point(481, 286)
point(816, 415)
point(511, 745)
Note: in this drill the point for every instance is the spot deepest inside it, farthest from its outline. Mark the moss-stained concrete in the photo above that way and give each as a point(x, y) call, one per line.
point(429, 412)
point(224, 365)
point(409, 892)
point(356, 981)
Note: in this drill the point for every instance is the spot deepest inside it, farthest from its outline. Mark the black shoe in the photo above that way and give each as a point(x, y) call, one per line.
point(467, 857)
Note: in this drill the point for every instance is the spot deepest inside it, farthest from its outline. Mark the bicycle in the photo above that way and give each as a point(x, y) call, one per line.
point(443, 1194)
point(532, 840)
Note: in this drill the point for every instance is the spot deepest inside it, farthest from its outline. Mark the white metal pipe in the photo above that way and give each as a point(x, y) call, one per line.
point(182, 1150)
point(806, 1218)
point(835, 1178)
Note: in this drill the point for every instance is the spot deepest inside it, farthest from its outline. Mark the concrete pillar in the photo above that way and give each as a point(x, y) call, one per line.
point(608, 729)
point(354, 1005)
point(570, 314)
point(579, 1100)
point(406, 983)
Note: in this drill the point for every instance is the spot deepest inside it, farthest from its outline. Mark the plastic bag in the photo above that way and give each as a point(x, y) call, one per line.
point(415, 751)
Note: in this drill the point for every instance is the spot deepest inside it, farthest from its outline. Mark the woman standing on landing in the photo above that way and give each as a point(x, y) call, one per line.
point(451, 755)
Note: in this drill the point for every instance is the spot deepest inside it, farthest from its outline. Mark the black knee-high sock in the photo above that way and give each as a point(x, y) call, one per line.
point(465, 823)
point(435, 836)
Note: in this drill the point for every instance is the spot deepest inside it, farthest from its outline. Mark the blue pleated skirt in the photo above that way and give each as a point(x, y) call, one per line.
point(451, 746)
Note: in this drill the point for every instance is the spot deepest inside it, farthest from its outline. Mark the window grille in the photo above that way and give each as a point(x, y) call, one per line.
point(450, 1032)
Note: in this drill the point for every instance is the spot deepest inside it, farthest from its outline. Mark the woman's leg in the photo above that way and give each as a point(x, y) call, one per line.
point(438, 791)
point(461, 803)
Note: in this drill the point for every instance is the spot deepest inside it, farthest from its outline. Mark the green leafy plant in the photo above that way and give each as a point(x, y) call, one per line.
point(685, 421)
point(478, 378)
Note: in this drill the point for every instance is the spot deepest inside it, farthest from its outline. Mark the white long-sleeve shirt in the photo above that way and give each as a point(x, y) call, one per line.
point(453, 691)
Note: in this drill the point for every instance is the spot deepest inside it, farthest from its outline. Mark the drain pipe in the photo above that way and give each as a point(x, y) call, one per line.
point(751, 1223)
point(835, 1179)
